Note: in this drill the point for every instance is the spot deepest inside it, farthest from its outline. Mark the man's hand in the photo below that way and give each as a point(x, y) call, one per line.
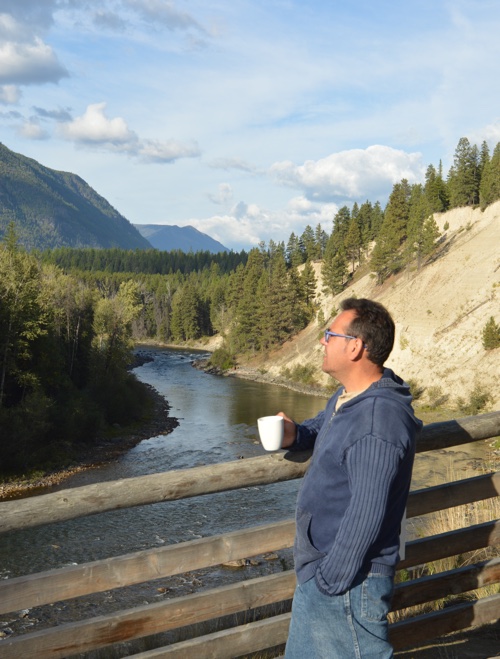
point(290, 432)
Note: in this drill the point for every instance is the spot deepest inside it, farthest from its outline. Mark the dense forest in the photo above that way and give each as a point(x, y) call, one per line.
point(68, 318)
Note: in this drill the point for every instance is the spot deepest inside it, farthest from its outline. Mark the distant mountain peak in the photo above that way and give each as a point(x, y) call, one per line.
point(168, 237)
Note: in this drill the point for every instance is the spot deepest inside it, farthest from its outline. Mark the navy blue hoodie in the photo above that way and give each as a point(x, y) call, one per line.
point(353, 496)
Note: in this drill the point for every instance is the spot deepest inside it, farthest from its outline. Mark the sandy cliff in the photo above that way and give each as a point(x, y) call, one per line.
point(440, 311)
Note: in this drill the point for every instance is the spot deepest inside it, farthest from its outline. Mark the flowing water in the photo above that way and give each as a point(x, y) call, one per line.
point(217, 423)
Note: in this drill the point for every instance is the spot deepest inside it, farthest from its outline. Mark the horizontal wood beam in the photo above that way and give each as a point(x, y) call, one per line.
point(107, 574)
point(408, 633)
point(182, 484)
point(443, 584)
point(457, 493)
point(452, 543)
point(73, 638)
point(98, 576)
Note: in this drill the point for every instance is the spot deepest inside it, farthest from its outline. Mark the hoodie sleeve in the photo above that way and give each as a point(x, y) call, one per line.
point(307, 433)
point(372, 464)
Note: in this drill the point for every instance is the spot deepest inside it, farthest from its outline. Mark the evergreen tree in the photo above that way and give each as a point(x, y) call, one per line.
point(464, 175)
point(435, 191)
point(490, 180)
point(308, 283)
point(334, 271)
point(294, 254)
point(308, 244)
point(353, 241)
point(386, 256)
point(321, 238)
point(491, 335)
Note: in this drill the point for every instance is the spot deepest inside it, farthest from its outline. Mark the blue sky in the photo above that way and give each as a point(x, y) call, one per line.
point(247, 119)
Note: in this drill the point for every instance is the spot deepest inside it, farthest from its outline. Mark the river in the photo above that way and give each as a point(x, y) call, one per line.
point(217, 423)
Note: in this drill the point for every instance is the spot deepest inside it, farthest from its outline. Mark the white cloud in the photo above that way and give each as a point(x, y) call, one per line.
point(248, 224)
point(164, 12)
point(490, 133)
point(29, 63)
point(95, 129)
point(9, 94)
point(164, 151)
point(223, 195)
point(352, 174)
point(32, 130)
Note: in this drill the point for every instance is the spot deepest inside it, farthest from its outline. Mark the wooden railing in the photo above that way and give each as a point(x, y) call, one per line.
point(252, 594)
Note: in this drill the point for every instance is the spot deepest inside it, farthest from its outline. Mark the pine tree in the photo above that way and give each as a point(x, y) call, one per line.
point(353, 242)
point(491, 335)
point(464, 177)
point(334, 271)
point(490, 180)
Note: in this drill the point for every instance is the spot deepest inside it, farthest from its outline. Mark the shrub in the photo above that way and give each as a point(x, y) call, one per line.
point(416, 389)
point(303, 373)
point(491, 335)
point(435, 397)
point(478, 401)
point(222, 358)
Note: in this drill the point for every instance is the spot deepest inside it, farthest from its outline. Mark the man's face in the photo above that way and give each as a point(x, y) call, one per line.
point(336, 361)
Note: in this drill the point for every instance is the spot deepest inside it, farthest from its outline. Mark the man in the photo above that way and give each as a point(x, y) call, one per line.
point(354, 493)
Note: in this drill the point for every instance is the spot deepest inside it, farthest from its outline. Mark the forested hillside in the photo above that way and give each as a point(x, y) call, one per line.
point(68, 317)
point(51, 208)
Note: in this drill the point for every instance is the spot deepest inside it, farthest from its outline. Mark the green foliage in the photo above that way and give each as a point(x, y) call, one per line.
point(491, 335)
point(302, 373)
point(221, 358)
point(52, 208)
point(479, 399)
point(489, 190)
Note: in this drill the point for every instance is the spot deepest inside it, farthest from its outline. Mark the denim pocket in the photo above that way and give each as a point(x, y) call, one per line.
point(376, 595)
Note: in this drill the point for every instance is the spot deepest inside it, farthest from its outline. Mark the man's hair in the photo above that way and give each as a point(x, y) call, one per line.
point(373, 324)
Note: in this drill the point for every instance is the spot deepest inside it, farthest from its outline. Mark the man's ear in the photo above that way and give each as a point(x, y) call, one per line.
point(355, 349)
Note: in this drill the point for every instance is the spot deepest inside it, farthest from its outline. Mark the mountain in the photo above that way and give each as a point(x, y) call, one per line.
point(439, 311)
point(167, 237)
point(50, 208)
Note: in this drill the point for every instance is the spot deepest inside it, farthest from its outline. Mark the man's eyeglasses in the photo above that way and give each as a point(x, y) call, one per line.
point(328, 334)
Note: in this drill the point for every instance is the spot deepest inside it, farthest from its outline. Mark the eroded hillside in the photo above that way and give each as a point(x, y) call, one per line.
point(440, 311)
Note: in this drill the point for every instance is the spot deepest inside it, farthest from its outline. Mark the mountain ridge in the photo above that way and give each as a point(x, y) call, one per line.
point(168, 237)
point(52, 208)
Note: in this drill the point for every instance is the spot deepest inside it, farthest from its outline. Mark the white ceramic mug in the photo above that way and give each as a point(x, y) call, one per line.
point(271, 429)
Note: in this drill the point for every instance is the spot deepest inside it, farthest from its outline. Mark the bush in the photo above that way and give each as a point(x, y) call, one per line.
point(222, 358)
point(435, 397)
point(491, 335)
point(416, 389)
point(303, 373)
point(478, 401)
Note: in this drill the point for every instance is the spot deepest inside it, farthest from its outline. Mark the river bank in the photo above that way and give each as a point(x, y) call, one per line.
point(105, 450)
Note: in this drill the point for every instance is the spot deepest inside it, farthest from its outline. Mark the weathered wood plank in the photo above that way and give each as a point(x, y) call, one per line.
point(456, 493)
point(458, 431)
point(452, 543)
point(408, 633)
point(451, 582)
point(181, 484)
point(74, 638)
point(252, 637)
point(127, 493)
point(98, 576)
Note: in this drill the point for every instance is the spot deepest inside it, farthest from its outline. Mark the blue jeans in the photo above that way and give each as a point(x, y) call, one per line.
point(353, 624)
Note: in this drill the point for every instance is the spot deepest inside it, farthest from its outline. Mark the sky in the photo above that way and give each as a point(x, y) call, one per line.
point(247, 119)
